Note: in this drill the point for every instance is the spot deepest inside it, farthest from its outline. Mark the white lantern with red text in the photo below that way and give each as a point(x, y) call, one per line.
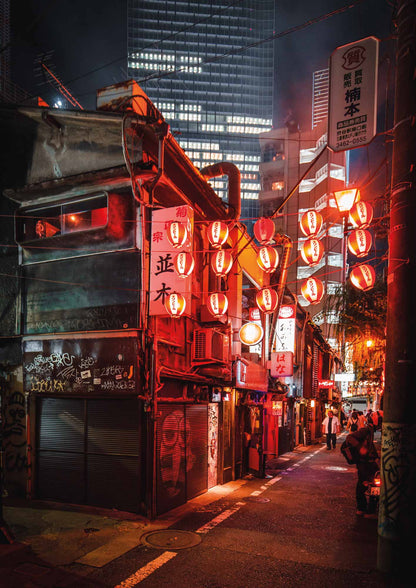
point(363, 276)
point(312, 290)
point(268, 259)
point(177, 234)
point(184, 264)
point(217, 304)
point(359, 242)
point(217, 234)
point(264, 230)
point(311, 223)
point(267, 300)
point(312, 251)
point(361, 215)
point(175, 304)
point(221, 262)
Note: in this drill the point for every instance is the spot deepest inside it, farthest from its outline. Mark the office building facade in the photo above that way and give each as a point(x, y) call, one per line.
point(209, 69)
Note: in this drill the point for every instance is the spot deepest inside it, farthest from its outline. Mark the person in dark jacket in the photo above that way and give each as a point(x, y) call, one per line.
point(367, 463)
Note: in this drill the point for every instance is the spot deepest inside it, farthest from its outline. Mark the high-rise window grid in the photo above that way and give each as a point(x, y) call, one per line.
point(192, 60)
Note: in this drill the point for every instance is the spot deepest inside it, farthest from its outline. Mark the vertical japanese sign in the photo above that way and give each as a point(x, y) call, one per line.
point(163, 278)
point(285, 328)
point(352, 120)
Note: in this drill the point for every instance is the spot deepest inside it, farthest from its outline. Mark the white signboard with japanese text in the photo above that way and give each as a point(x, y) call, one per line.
point(352, 119)
point(163, 278)
point(285, 328)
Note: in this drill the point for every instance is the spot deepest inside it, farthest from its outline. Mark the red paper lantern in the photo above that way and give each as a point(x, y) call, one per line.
point(359, 242)
point(312, 251)
point(184, 264)
point(175, 304)
point(363, 276)
point(264, 230)
point(267, 300)
point(268, 259)
point(217, 304)
point(221, 262)
point(312, 290)
point(217, 233)
point(311, 223)
point(361, 215)
point(177, 234)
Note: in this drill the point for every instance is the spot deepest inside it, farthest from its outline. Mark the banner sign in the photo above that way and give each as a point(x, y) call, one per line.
point(285, 328)
point(352, 119)
point(163, 278)
point(281, 364)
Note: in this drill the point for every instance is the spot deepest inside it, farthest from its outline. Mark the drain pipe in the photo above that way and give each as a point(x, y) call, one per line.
point(226, 168)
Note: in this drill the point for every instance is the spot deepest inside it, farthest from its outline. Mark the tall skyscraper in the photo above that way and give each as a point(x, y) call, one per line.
point(320, 95)
point(209, 69)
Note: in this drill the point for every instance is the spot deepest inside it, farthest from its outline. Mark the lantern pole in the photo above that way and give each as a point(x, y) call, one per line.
point(397, 513)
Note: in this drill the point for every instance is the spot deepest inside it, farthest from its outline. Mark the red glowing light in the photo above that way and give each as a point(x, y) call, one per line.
point(221, 262)
point(363, 276)
point(217, 304)
point(359, 242)
point(312, 251)
point(312, 290)
point(268, 259)
point(264, 230)
point(267, 300)
point(311, 223)
point(217, 234)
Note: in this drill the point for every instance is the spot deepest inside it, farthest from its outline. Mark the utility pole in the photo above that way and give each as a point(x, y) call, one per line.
point(397, 516)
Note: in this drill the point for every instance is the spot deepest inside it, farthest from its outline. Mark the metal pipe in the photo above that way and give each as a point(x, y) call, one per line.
point(225, 168)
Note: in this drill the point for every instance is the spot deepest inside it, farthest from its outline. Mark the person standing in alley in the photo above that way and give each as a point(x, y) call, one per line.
point(330, 428)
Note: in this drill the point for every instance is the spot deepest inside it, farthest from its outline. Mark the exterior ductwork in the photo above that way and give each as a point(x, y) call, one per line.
point(226, 168)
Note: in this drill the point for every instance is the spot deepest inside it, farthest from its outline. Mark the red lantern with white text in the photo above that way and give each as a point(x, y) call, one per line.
point(175, 304)
point(312, 290)
point(363, 276)
point(361, 215)
point(312, 251)
point(184, 264)
point(217, 234)
point(268, 259)
point(177, 234)
point(221, 262)
point(264, 230)
point(267, 300)
point(217, 304)
point(311, 223)
point(359, 242)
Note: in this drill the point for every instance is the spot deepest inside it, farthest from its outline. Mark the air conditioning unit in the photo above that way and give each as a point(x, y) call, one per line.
point(210, 346)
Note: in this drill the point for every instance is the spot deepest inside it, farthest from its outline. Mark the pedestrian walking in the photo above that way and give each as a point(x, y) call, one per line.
point(367, 462)
point(330, 428)
point(353, 422)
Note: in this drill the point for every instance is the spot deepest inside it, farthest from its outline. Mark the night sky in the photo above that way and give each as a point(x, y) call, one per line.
point(86, 43)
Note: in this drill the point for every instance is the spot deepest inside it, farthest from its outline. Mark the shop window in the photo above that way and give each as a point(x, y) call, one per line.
point(43, 223)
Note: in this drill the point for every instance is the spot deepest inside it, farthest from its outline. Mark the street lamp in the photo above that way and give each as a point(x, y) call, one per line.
point(346, 199)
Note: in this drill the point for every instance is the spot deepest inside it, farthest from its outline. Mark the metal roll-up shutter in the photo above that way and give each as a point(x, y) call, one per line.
point(196, 419)
point(170, 457)
point(113, 449)
point(60, 450)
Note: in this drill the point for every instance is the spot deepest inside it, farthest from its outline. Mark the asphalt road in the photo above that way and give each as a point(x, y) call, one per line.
point(297, 527)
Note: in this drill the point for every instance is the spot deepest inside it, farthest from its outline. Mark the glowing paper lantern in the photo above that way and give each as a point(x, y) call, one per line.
point(217, 304)
point(175, 304)
point(361, 215)
point(311, 223)
point(312, 290)
point(250, 334)
point(359, 242)
point(264, 230)
point(221, 262)
point(177, 234)
point(267, 300)
point(217, 233)
point(363, 276)
point(184, 264)
point(268, 259)
point(312, 251)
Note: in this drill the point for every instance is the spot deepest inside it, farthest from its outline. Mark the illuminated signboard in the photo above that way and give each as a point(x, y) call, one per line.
point(285, 328)
point(163, 278)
